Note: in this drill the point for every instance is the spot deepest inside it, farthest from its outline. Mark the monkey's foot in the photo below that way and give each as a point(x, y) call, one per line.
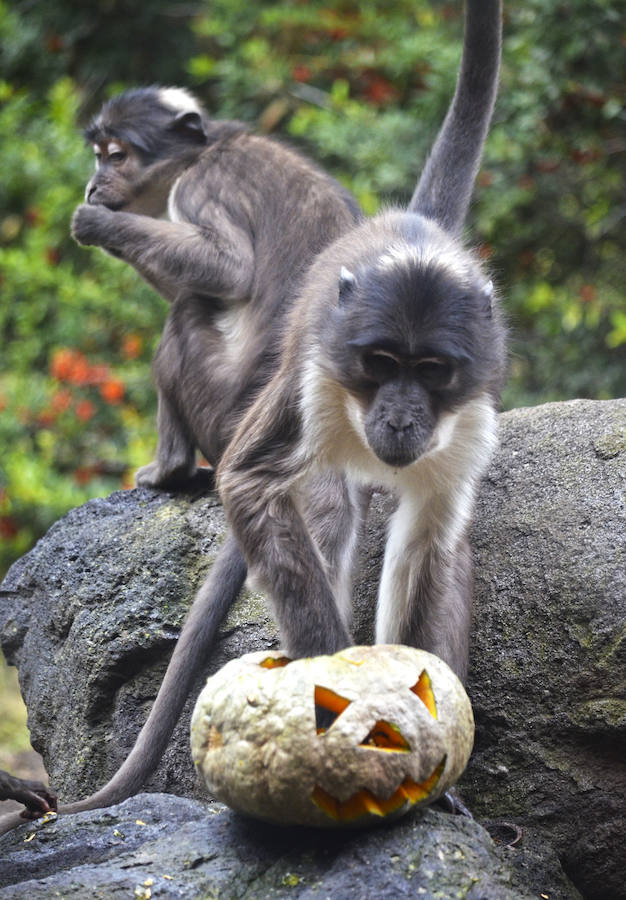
point(154, 476)
point(452, 803)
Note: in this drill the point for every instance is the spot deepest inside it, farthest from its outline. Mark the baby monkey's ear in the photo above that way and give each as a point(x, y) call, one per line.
point(347, 283)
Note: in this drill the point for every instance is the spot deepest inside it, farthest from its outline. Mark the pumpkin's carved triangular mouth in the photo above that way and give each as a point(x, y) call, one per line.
point(364, 802)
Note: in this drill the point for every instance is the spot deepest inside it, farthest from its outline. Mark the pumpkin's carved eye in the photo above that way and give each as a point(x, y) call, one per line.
point(383, 736)
point(423, 689)
point(328, 707)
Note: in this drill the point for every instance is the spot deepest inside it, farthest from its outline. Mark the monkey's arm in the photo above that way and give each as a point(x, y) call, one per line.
point(36, 797)
point(215, 258)
point(257, 481)
point(425, 594)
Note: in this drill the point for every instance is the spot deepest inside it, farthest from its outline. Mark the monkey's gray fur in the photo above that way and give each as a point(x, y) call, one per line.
point(390, 374)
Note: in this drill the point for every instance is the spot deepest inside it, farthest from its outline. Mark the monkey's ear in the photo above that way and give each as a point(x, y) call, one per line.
point(190, 124)
point(347, 282)
point(487, 293)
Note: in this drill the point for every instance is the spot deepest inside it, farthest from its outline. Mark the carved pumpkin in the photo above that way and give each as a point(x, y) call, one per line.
point(332, 740)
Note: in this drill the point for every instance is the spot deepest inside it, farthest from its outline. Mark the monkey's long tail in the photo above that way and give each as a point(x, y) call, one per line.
point(210, 606)
point(444, 189)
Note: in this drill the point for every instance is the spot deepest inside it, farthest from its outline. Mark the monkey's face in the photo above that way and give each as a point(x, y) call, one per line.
point(142, 140)
point(401, 411)
point(410, 343)
point(122, 180)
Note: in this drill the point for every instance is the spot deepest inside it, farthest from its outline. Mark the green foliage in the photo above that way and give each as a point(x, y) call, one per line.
point(78, 331)
point(14, 738)
point(362, 87)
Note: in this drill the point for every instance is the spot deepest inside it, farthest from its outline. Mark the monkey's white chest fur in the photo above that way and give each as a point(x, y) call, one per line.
point(236, 327)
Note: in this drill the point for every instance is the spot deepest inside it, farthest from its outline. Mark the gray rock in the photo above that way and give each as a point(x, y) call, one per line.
point(91, 614)
point(157, 845)
point(549, 642)
point(90, 617)
point(549, 636)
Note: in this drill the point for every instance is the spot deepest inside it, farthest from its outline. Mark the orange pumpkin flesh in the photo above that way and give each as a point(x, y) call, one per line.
point(275, 662)
point(329, 700)
point(385, 736)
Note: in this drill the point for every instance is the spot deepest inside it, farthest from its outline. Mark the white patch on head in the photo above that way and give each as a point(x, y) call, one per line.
point(399, 256)
point(435, 254)
point(179, 100)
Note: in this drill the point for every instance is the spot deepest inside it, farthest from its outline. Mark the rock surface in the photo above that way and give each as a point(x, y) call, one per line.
point(90, 616)
point(158, 845)
point(548, 661)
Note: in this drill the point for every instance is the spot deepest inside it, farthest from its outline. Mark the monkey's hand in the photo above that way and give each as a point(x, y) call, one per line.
point(91, 225)
point(36, 797)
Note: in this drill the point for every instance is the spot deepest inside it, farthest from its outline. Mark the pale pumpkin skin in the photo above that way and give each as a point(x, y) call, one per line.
point(403, 735)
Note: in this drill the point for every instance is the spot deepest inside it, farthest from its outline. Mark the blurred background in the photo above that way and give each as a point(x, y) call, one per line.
point(362, 88)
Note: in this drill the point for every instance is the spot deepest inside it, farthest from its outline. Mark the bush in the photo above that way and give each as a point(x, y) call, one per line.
point(78, 332)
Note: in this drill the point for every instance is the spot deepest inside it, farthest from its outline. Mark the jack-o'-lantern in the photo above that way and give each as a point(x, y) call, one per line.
point(332, 740)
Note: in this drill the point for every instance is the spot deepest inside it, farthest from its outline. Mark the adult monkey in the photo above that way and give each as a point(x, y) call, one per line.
point(390, 374)
point(246, 217)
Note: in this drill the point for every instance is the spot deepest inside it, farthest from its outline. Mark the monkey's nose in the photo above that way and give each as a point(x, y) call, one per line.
point(399, 424)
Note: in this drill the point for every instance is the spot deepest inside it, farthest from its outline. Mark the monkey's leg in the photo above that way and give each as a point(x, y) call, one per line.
point(258, 480)
point(175, 462)
point(334, 510)
point(425, 595)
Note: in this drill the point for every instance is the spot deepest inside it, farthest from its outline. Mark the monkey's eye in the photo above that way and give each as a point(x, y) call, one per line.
point(115, 152)
point(434, 372)
point(380, 366)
